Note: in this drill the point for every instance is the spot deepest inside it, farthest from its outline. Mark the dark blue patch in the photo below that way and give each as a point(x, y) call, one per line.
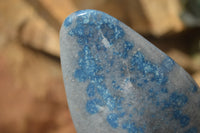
point(192, 130)
point(91, 90)
point(122, 114)
point(194, 88)
point(80, 75)
point(110, 101)
point(178, 100)
point(113, 82)
point(152, 93)
point(166, 104)
point(112, 32)
point(100, 47)
point(82, 41)
point(115, 86)
point(119, 103)
point(68, 21)
point(102, 90)
point(131, 127)
point(92, 106)
point(167, 64)
point(130, 115)
point(184, 120)
point(137, 61)
point(161, 78)
point(113, 120)
point(148, 70)
point(83, 19)
point(164, 90)
point(107, 97)
point(177, 114)
point(123, 70)
point(126, 47)
point(97, 79)
point(87, 64)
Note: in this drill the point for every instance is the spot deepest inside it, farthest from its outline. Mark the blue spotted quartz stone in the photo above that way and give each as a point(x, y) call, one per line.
point(118, 82)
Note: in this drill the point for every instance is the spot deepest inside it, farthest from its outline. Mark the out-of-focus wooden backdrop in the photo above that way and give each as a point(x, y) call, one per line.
point(32, 95)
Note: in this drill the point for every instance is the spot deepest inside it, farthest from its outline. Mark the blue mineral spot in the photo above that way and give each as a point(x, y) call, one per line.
point(168, 64)
point(99, 102)
point(127, 46)
point(131, 127)
point(177, 114)
point(113, 82)
point(79, 31)
point(123, 70)
point(139, 63)
point(97, 79)
point(139, 84)
point(164, 90)
point(91, 90)
point(138, 60)
point(130, 115)
point(80, 75)
point(100, 47)
point(107, 97)
point(82, 41)
point(68, 21)
point(112, 119)
point(166, 104)
point(111, 103)
point(135, 110)
point(140, 130)
point(152, 93)
point(83, 19)
point(115, 86)
point(184, 120)
point(93, 19)
point(119, 103)
point(102, 90)
point(132, 80)
point(120, 115)
point(153, 116)
point(157, 102)
point(87, 63)
point(161, 79)
point(194, 88)
point(92, 106)
point(178, 100)
point(192, 130)
point(112, 32)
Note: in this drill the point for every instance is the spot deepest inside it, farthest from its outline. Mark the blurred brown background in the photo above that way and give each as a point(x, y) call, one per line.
point(32, 95)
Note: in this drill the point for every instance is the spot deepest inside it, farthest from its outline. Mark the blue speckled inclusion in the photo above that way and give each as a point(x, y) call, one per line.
point(192, 130)
point(90, 30)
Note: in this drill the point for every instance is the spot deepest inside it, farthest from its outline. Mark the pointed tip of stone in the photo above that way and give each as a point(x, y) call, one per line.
point(85, 16)
point(74, 15)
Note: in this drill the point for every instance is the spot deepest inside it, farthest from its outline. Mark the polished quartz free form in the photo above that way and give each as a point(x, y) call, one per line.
point(118, 82)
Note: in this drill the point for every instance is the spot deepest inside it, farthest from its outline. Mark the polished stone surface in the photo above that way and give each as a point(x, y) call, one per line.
point(118, 82)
